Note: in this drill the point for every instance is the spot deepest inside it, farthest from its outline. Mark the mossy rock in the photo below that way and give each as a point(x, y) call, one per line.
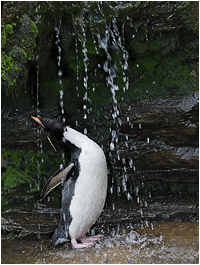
point(153, 45)
point(149, 64)
point(138, 47)
point(15, 57)
point(28, 33)
point(24, 166)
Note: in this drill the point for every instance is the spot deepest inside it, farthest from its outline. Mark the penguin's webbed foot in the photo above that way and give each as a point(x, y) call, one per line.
point(75, 244)
point(90, 238)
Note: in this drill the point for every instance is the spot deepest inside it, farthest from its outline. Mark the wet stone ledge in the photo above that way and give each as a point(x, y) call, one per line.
point(158, 139)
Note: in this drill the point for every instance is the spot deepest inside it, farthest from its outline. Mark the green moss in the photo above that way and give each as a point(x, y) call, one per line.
point(28, 33)
point(5, 31)
point(138, 47)
point(6, 60)
point(12, 178)
point(24, 167)
point(14, 61)
point(153, 45)
point(149, 64)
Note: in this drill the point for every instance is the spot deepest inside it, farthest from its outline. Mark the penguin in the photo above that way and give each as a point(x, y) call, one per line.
point(84, 182)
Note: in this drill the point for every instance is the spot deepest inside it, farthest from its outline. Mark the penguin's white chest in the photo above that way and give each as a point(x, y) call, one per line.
point(90, 189)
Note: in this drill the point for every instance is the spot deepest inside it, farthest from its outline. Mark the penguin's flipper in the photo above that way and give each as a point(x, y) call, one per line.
point(57, 178)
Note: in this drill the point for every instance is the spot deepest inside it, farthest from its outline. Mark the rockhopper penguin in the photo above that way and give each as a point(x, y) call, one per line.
point(84, 184)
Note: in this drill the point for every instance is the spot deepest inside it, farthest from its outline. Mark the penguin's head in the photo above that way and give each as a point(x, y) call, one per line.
point(52, 128)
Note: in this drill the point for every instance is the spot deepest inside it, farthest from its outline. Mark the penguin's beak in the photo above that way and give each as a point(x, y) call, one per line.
point(38, 119)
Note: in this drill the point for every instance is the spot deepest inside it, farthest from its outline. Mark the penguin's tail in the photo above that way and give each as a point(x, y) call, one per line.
point(60, 236)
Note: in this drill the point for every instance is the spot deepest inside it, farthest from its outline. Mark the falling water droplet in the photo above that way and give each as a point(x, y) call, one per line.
point(131, 162)
point(129, 197)
point(112, 146)
point(111, 189)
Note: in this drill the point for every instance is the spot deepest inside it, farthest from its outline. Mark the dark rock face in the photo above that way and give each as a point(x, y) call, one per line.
point(159, 139)
point(112, 53)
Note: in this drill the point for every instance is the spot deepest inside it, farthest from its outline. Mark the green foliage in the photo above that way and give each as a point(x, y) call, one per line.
point(28, 33)
point(12, 178)
point(27, 167)
point(6, 30)
point(14, 58)
point(15, 174)
point(149, 64)
point(6, 60)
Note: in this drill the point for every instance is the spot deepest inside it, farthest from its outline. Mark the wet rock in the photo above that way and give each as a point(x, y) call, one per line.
point(159, 139)
point(140, 47)
point(18, 51)
point(39, 222)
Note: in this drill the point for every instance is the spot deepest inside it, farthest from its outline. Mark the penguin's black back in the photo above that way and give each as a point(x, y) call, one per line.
point(62, 231)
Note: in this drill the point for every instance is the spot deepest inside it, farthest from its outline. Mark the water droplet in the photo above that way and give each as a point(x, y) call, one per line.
point(136, 190)
point(141, 212)
point(131, 162)
point(112, 146)
point(118, 190)
point(129, 197)
point(111, 189)
point(123, 161)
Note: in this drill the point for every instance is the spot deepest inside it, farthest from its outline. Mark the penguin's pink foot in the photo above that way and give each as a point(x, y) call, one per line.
point(90, 238)
point(80, 245)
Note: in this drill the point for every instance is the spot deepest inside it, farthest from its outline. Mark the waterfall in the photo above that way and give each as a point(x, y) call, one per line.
point(61, 92)
point(57, 30)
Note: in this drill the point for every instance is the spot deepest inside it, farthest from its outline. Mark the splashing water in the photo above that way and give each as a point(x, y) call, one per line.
point(57, 42)
point(37, 96)
point(110, 40)
point(61, 92)
point(38, 131)
point(85, 79)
